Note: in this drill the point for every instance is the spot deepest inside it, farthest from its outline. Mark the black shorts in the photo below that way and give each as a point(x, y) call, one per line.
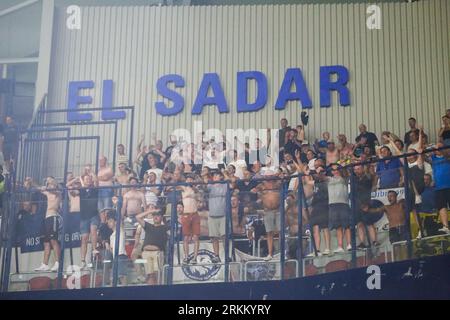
point(10, 151)
point(52, 228)
point(397, 234)
point(370, 218)
point(319, 216)
point(339, 216)
point(442, 198)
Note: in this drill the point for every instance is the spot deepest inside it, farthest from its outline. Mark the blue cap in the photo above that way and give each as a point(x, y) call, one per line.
point(323, 144)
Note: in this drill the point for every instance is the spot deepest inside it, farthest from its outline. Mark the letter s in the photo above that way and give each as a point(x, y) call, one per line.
point(178, 101)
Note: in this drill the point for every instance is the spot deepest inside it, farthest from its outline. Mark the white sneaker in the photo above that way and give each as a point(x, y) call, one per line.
point(82, 265)
point(339, 250)
point(419, 235)
point(43, 267)
point(349, 247)
point(268, 258)
point(444, 229)
point(326, 252)
point(55, 267)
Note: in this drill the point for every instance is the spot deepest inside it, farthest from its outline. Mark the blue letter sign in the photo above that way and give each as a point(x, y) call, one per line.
point(242, 91)
point(293, 75)
point(178, 101)
point(210, 80)
point(326, 86)
point(75, 100)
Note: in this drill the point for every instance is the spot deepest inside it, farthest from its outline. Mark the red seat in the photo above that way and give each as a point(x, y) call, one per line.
point(129, 249)
point(310, 270)
point(289, 270)
point(85, 281)
point(40, 283)
point(337, 265)
point(98, 281)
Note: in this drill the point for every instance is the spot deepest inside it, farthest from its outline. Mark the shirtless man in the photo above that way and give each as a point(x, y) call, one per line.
point(237, 221)
point(292, 215)
point(269, 193)
point(395, 212)
point(133, 200)
point(74, 195)
point(332, 154)
point(241, 236)
point(292, 223)
point(105, 178)
point(345, 148)
point(123, 177)
point(121, 156)
point(52, 224)
point(190, 219)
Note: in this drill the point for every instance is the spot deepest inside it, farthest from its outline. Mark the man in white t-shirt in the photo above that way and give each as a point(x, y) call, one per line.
point(239, 164)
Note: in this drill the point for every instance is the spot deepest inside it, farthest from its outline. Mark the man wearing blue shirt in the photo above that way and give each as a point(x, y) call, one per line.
point(441, 174)
point(390, 172)
point(428, 196)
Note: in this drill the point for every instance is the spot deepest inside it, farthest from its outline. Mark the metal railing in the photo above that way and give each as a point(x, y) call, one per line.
point(9, 226)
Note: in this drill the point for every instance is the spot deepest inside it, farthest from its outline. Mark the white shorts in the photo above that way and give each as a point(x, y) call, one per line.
point(216, 227)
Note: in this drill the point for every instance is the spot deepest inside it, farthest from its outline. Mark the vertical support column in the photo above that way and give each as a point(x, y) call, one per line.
point(227, 231)
point(173, 221)
point(45, 50)
point(352, 216)
point(65, 195)
point(300, 225)
point(130, 159)
point(114, 149)
point(65, 209)
point(282, 226)
point(11, 223)
point(117, 243)
point(408, 206)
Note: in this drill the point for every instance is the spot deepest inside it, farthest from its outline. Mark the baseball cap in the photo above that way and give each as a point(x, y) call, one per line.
point(323, 144)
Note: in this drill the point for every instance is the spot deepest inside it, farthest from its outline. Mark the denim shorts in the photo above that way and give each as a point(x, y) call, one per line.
point(85, 225)
point(104, 199)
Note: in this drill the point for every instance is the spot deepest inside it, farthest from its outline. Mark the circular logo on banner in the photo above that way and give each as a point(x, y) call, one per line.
point(204, 269)
point(261, 271)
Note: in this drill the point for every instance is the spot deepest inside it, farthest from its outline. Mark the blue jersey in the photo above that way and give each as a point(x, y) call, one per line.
point(441, 172)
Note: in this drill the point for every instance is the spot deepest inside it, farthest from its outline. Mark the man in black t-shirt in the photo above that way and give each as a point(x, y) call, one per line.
point(412, 125)
point(370, 137)
point(154, 244)
point(363, 185)
point(90, 219)
point(282, 132)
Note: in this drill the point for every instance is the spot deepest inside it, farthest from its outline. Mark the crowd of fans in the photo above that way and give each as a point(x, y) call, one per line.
point(157, 175)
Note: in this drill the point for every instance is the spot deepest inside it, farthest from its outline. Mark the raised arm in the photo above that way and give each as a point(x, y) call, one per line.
point(139, 146)
point(269, 138)
point(124, 206)
point(140, 217)
point(366, 208)
point(301, 134)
